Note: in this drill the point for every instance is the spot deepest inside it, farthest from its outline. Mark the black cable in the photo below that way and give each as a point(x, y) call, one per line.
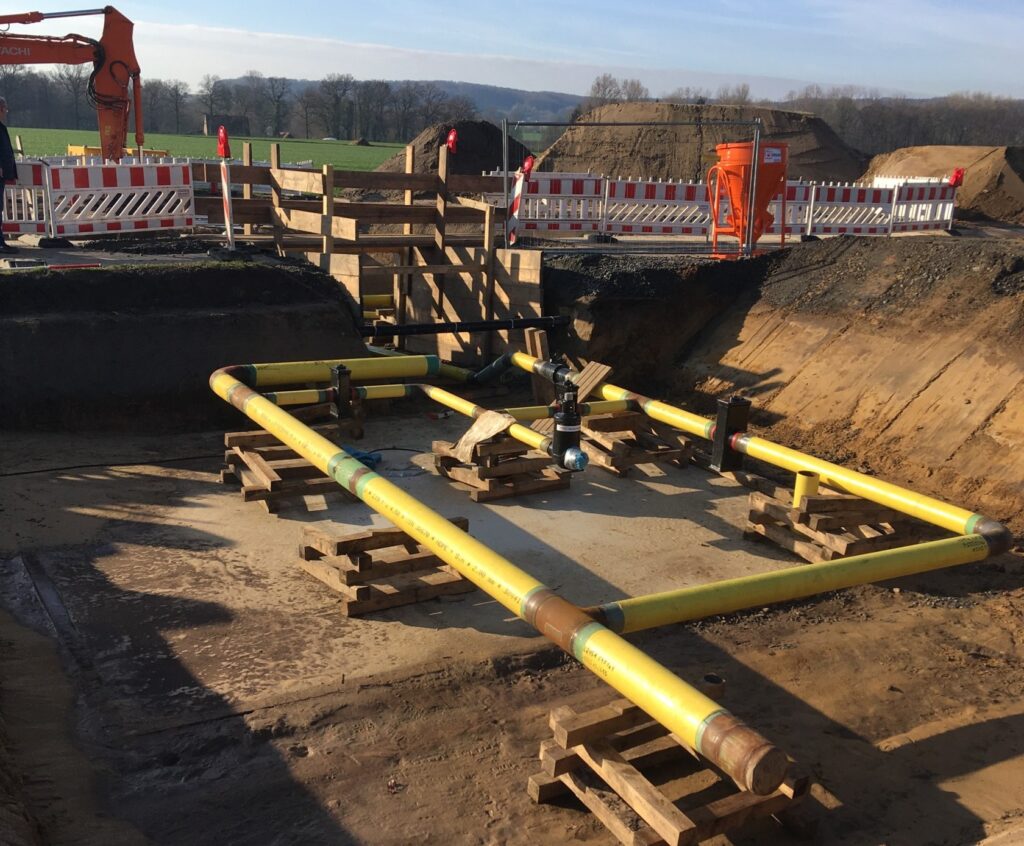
point(111, 466)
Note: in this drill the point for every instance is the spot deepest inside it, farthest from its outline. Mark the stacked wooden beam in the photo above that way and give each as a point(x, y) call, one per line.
point(500, 468)
point(642, 783)
point(379, 568)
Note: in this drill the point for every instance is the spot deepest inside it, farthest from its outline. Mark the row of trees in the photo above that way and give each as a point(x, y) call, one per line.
point(338, 105)
point(864, 118)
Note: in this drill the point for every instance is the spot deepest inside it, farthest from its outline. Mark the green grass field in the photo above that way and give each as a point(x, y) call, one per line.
point(341, 154)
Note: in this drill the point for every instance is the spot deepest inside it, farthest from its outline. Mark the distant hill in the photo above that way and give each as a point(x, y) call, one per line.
point(513, 103)
point(492, 101)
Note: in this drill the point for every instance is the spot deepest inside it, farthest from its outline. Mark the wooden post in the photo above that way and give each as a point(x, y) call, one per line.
point(327, 219)
point(275, 194)
point(442, 197)
point(247, 186)
point(405, 283)
point(490, 244)
point(537, 346)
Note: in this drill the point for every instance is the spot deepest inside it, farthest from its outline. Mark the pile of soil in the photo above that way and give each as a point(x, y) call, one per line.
point(134, 345)
point(900, 356)
point(686, 152)
point(478, 149)
point(993, 186)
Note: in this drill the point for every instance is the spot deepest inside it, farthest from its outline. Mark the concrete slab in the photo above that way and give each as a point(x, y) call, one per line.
point(181, 595)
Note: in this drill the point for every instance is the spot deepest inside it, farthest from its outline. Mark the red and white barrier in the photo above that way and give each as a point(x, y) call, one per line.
point(58, 199)
point(25, 201)
point(581, 202)
point(120, 198)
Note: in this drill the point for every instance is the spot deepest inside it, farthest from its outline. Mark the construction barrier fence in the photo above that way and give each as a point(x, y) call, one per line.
point(584, 202)
point(56, 199)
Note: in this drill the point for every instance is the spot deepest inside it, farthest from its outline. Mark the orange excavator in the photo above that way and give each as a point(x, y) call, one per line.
point(115, 68)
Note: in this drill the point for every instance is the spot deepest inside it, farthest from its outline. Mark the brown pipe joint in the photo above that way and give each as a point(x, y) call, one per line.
point(554, 617)
point(750, 760)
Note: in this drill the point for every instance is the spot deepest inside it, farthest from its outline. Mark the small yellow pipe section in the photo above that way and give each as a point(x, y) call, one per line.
point(523, 434)
point(378, 301)
point(306, 396)
point(701, 601)
point(805, 484)
point(684, 710)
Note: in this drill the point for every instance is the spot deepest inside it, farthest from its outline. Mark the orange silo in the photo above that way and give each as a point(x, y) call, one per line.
point(732, 175)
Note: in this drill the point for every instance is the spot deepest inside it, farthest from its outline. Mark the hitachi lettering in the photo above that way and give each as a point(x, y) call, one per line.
point(15, 51)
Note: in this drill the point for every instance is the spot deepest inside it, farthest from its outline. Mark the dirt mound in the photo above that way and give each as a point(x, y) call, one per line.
point(133, 346)
point(901, 356)
point(993, 186)
point(686, 152)
point(478, 149)
point(360, 142)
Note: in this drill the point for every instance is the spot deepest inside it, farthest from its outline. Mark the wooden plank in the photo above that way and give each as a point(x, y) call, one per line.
point(427, 587)
point(592, 375)
point(515, 466)
point(467, 183)
point(847, 520)
point(422, 270)
point(783, 537)
point(624, 823)
point(633, 787)
point(263, 471)
point(345, 573)
point(310, 222)
point(240, 174)
point(831, 502)
point(571, 729)
point(537, 346)
point(376, 180)
point(366, 541)
point(440, 221)
point(327, 209)
point(550, 482)
point(300, 488)
point(403, 284)
point(293, 179)
point(246, 187)
point(384, 213)
point(619, 421)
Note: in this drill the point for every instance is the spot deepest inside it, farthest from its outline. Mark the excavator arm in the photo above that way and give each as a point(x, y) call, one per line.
point(115, 68)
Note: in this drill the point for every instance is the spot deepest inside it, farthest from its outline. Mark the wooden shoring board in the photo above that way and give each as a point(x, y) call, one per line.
point(852, 539)
point(592, 375)
point(379, 568)
point(606, 772)
point(616, 442)
point(502, 468)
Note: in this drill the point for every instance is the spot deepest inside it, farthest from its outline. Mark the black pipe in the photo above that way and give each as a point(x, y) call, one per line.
point(383, 330)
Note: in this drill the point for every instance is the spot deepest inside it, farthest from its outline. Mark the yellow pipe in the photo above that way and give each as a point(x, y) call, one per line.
point(724, 597)
point(926, 508)
point(748, 758)
point(297, 372)
point(378, 300)
point(805, 484)
point(929, 509)
point(540, 412)
point(521, 433)
point(306, 396)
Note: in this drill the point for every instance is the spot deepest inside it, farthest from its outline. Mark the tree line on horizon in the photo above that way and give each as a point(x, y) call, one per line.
point(864, 118)
point(342, 107)
point(337, 106)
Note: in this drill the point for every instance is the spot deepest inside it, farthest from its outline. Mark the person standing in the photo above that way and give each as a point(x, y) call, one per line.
point(8, 171)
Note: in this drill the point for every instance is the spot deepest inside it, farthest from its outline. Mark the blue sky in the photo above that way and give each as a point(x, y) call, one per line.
point(919, 47)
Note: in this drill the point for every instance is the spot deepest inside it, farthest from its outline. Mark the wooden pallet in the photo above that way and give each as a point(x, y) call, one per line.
point(645, 786)
point(618, 442)
point(502, 467)
point(379, 568)
point(828, 525)
point(273, 474)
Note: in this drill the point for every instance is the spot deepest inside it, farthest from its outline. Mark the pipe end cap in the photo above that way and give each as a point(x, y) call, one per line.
point(575, 459)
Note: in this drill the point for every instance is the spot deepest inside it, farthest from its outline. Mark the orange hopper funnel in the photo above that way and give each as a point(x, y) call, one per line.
point(732, 174)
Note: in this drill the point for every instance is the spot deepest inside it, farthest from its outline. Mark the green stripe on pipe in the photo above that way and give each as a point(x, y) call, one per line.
point(526, 601)
point(580, 638)
point(433, 365)
point(704, 724)
point(972, 523)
